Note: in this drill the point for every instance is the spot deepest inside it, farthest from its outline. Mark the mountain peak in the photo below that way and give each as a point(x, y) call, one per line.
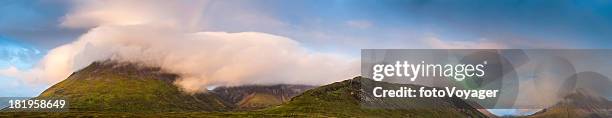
point(122, 86)
point(116, 86)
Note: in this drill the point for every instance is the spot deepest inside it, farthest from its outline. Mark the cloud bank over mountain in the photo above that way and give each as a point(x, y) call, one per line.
point(164, 34)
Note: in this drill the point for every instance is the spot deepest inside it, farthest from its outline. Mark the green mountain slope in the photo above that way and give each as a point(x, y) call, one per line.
point(343, 99)
point(111, 86)
point(108, 89)
point(259, 100)
point(252, 97)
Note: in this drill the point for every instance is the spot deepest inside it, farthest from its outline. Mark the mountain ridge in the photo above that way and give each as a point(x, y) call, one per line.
point(99, 91)
point(251, 97)
point(111, 85)
point(345, 99)
point(114, 86)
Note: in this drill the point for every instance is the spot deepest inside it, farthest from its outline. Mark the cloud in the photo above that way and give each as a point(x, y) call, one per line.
point(239, 16)
point(163, 34)
point(178, 13)
point(10, 71)
point(13, 72)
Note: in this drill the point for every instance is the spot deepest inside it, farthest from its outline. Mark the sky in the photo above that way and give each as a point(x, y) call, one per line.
point(327, 24)
point(33, 32)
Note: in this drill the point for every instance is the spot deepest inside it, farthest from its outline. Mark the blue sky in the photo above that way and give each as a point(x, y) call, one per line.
point(581, 23)
point(584, 24)
point(345, 26)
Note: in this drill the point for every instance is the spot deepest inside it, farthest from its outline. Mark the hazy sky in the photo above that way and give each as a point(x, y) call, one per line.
point(341, 27)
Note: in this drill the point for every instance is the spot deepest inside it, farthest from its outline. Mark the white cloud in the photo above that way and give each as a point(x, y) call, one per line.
point(10, 71)
point(92, 13)
point(163, 33)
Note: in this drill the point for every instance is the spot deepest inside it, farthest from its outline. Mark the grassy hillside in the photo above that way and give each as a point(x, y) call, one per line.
point(252, 97)
point(108, 86)
point(259, 100)
point(107, 89)
point(342, 99)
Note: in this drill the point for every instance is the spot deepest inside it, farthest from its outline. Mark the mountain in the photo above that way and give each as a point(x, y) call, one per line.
point(113, 86)
point(250, 97)
point(579, 104)
point(345, 99)
point(111, 89)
